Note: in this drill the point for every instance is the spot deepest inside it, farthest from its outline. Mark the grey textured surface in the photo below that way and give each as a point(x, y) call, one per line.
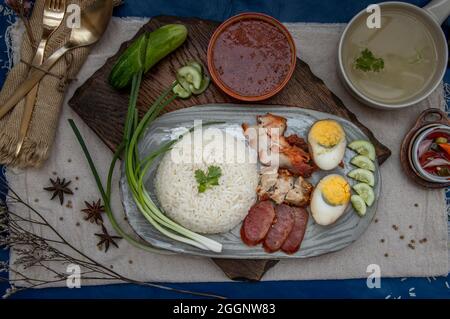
point(318, 239)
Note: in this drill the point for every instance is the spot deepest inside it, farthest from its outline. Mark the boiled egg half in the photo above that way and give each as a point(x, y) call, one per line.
point(330, 198)
point(326, 140)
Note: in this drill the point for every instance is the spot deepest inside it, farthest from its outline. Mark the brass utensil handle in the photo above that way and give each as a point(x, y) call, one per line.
point(34, 78)
point(30, 99)
point(28, 109)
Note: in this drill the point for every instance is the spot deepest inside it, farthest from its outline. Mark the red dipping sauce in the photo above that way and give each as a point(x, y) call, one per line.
point(251, 57)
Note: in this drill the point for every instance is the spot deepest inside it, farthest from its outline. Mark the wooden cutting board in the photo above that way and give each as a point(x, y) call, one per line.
point(104, 109)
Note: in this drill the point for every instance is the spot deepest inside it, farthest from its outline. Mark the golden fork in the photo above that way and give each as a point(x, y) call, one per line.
point(54, 11)
point(94, 20)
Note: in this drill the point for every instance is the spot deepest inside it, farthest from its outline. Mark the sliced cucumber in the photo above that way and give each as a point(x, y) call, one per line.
point(196, 65)
point(191, 75)
point(191, 80)
point(203, 86)
point(181, 92)
point(364, 148)
point(184, 83)
point(362, 175)
point(363, 162)
point(359, 205)
point(366, 193)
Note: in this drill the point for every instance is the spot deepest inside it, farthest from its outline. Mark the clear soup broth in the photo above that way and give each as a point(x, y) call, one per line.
point(408, 51)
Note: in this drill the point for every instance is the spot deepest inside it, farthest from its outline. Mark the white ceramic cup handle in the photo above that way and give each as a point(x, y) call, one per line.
point(438, 9)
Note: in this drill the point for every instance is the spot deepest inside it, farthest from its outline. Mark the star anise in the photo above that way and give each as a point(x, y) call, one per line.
point(106, 239)
point(94, 212)
point(59, 188)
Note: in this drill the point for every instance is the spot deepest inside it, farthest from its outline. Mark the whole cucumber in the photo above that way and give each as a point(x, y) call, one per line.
point(145, 52)
point(163, 41)
point(129, 63)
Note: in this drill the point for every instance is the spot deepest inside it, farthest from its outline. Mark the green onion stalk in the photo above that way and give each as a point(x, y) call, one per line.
point(136, 170)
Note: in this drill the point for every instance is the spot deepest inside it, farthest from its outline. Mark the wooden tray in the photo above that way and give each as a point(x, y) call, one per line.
point(104, 109)
point(426, 119)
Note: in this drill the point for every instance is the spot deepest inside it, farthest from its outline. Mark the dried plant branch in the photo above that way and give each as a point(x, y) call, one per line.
point(23, 9)
point(26, 23)
point(36, 251)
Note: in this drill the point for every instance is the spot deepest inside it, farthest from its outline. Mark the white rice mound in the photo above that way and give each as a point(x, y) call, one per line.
point(220, 208)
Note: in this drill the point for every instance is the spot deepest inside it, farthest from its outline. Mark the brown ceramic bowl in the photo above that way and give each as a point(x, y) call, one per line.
point(428, 119)
point(422, 135)
point(251, 57)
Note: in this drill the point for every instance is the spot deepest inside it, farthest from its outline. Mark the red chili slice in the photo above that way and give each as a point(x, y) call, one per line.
point(427, 156)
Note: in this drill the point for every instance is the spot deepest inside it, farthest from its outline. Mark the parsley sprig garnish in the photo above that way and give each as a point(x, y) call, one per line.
point(368, 62)
point(208, 180)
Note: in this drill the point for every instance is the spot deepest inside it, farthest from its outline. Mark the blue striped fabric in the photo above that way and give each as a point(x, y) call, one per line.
point(325, 11)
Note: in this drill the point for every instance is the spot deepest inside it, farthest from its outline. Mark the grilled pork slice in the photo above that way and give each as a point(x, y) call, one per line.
point(257, 223)
point(296, 140)
point(281, 228)
point(274, 149)
point(296, 161)
point(295, 238)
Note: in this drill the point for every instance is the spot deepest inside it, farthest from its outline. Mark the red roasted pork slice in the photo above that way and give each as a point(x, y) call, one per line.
point(295, 238)
point(257, 223)
point(281, 228)
point(296, 140)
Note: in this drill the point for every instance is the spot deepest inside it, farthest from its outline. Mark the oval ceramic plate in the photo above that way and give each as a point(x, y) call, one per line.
point(318, 239)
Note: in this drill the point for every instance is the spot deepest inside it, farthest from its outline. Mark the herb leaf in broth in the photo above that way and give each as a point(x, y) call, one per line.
point(368, 62)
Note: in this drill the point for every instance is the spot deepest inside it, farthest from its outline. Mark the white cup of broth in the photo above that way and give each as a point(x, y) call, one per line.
point(400, 63)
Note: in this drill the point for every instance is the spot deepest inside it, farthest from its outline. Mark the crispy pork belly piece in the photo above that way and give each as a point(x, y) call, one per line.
point(259, 140)
point(300, 194)
point(267, 137)
point(282, 187)
point(274, 149)
point(270, 121)
point(285, 182)
point(267, 182)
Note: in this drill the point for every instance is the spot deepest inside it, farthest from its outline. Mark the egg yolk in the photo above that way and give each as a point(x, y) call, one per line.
point(327, 133)
point(335, 190)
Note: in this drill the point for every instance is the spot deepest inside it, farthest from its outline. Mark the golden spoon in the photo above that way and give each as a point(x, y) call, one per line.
point(54, 11)
point(94, 20)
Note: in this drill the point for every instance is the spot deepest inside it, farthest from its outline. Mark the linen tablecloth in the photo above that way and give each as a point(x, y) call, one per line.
point(317, 46)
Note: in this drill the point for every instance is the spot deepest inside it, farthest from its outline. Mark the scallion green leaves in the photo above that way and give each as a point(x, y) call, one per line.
point(136, 169)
